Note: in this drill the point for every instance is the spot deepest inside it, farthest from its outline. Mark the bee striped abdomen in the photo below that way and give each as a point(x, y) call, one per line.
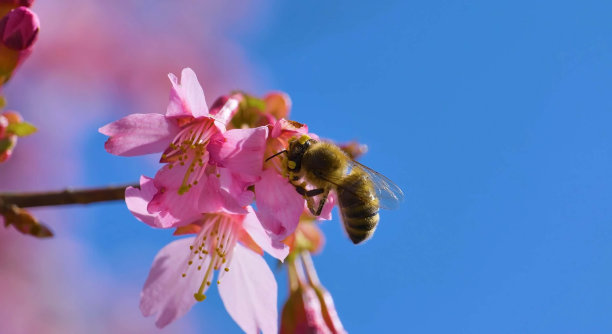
point(358, 206)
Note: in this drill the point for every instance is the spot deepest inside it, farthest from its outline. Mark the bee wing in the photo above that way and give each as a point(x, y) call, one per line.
point(389, 194)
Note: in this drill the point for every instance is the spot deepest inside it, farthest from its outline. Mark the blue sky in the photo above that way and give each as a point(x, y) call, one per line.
point(493, 117)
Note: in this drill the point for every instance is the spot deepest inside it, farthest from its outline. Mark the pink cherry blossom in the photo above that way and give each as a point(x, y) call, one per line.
point(279, 205)
point(228, 243)
point(207, 168)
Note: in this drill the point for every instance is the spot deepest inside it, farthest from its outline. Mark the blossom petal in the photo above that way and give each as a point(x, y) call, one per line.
point(166, 292)
point(287, 128)
point(227, 111)
point(279, 206)
point(272, 246)
point(186, 98)
point(139, 134)
point(219, 193)
point(240, 150)
point(249, 292)
point(137, 201)
point(177, 208)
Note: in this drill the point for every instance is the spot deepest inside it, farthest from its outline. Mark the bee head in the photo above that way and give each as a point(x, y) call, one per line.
point(297, 147)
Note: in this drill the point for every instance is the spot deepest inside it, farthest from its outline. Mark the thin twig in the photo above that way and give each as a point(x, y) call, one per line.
point(64, 197)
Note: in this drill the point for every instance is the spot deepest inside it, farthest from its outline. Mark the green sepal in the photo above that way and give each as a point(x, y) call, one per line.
point(253, 102)
point(5, 145)
point(21, 129)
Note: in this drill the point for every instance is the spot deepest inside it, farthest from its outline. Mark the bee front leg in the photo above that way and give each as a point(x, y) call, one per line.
point(307, 193)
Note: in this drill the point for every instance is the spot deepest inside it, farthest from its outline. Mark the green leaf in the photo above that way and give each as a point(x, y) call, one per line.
point(2, 102)
point(21, 129)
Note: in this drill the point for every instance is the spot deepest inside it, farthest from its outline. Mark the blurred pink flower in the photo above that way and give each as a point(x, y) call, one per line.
point(208, 168)
point(184, 269)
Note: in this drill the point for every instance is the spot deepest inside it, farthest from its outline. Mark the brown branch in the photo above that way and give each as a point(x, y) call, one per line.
point(64, 197)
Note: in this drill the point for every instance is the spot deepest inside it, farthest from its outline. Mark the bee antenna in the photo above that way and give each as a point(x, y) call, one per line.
point(279, 153)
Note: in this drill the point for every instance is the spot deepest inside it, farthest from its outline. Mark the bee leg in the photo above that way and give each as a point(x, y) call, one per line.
point(308, 193)
point(321, 203)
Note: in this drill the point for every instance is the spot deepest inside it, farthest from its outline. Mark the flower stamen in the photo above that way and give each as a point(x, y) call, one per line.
point(220, 231)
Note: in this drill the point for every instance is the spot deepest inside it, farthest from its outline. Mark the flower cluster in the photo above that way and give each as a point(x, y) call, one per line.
point(19, 28)
point(213, 163)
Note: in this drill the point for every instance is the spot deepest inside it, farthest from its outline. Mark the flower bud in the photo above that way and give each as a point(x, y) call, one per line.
point(18, 32)
point(11, 127)
point(19, 29)
point(328, 309)
point(302, 313)
point(278, 104)
point(354, 149)
point(307, 236)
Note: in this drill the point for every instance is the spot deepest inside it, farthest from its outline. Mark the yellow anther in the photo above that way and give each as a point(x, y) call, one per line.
point(199, 267)
point(208, 283)
point(226, 269)
point(291, 164)
point(190, 262)
point(303, 139)
point(184, 275)
point(218, 282)
point(191, 247)
point(199, 296)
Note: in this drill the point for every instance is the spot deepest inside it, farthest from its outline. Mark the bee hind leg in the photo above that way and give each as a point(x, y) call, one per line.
point(309, 194)
point(322, 201)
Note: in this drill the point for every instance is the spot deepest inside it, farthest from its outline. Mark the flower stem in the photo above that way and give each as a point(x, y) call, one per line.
point(311, 273)
point(63, 197)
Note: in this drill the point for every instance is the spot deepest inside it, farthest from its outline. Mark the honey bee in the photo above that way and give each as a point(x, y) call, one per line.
point(315, 168)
